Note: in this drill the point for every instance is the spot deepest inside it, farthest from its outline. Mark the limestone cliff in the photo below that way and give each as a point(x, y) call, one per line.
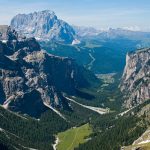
point(135, 83)
point(30, 77)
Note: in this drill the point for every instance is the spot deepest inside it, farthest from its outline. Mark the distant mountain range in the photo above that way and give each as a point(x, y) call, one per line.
point(86, 31)
point(45, 26)
point(110, 34)
point(122, 33)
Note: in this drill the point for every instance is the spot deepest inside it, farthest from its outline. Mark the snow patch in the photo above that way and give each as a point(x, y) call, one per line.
point(75, 42)
point(4, 41)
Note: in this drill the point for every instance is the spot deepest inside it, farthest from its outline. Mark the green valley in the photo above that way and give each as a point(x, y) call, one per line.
point(64, 86)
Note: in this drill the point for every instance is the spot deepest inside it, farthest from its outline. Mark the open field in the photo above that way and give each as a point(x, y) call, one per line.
point(71, 138)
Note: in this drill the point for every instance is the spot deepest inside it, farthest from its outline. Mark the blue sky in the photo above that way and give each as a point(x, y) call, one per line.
point(97, 13)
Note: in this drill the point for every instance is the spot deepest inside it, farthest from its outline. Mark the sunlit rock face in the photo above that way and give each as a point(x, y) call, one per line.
point(30, 77)
point(43, 25)
point(136, 78)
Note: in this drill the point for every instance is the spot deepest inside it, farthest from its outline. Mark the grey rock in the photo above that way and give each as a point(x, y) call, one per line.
point(30, 77)
point(136, 78)
point(43, 25)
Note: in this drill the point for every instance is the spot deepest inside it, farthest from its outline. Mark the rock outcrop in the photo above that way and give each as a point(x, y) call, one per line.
point(43, 25)
point(135, 83)
point(3, 30)
point(30, 77)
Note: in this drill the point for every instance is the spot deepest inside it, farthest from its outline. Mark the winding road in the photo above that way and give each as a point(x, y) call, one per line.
point(92, 61)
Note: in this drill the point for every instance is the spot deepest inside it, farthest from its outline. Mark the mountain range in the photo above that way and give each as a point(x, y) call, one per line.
point(46, 26)
point(55, 77)
point(86, 31)
point(35, 74)
point(101, 51)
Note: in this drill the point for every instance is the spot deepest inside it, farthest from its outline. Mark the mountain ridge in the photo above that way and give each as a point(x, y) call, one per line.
point(34, 74)
point(43, 25)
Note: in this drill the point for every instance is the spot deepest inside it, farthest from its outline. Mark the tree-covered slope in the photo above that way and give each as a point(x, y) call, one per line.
point(18, 131)
point(113, 131)
point(100, 56)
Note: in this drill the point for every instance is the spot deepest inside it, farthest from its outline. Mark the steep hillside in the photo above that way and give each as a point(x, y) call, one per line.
point(22, 132)
point(127, 130)
point(105, 56)
point(143, 141)
point(117, 132)
point(35, 78)
point(136, 78)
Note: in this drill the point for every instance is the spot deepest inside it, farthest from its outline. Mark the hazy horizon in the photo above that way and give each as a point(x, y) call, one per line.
point(132, 15)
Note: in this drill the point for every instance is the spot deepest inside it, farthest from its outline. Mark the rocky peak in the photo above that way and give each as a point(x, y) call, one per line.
point(30, 78)
point(43, 25)
point(11, 42)
point(136, 77)
point(6, 33)
point(3, 31)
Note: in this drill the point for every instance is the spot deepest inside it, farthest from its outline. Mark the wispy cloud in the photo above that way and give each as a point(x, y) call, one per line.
point(101, 14)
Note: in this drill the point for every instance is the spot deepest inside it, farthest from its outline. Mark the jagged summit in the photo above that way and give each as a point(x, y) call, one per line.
point(44, 25)
point(46, 12)
point(30, 78)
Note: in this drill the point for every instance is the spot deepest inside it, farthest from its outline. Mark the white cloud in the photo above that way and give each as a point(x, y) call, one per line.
point(132, 28)
point(90, 15)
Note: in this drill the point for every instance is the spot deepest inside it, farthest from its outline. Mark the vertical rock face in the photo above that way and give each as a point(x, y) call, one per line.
point(135, 83)
point(30, 77)
point(43, 25)
point(3, 30)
